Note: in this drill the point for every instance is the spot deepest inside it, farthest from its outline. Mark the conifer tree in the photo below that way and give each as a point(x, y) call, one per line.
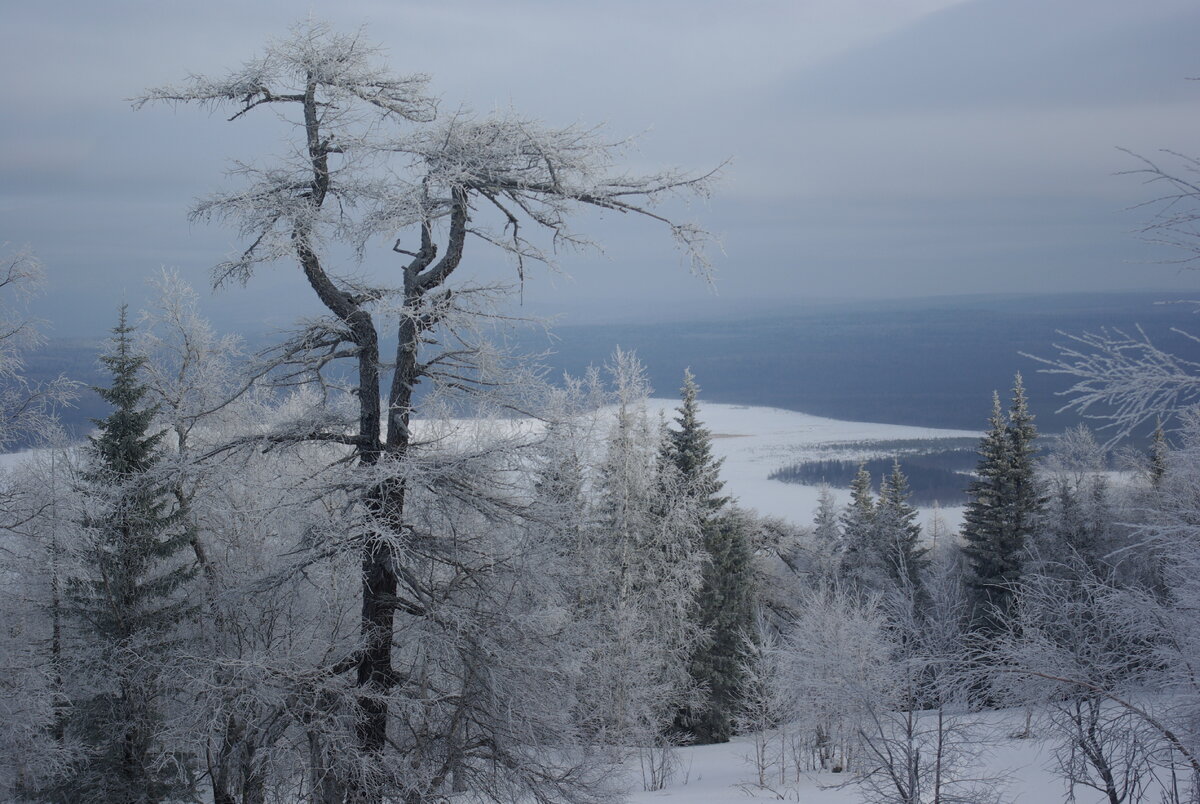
point(983, 514)
point(1001, 513)
point(690, 448)
point(723, 603)
point(128, 599)
point(1026, 496)
point(827, 533)
point(559, 488)
point(858, 532)
point(898, 535)
point(1064, 528)
point(725, 610)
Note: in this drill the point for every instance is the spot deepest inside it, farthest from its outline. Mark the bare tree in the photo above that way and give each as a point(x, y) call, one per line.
point(1081, 649)
point(372, 159)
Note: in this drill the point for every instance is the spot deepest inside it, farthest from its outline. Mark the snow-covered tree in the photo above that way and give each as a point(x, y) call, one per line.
point(723, 607)
point(126, 600)
point(1158, 453)
point(373, 160)
point(725, 602)
point(1004, 501)
point(898, 536)
point(34, 747)
point(827, 533)
point(1074, 646)
point(1123, 378)
point(836, 671)
point(1082, 516)
point(859, 557)
point(921, 742)
point(646, 565)
point(27, 409)
point(689, 447)
point(247, 506)
point(1023, 450)
point(31, 549)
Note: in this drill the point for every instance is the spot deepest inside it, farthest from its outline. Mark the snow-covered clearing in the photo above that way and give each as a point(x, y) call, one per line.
point(1021, 770)
point(756, 441)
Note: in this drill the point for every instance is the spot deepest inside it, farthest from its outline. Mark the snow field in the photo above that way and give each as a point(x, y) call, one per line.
point(755, 441)
point(724, 774)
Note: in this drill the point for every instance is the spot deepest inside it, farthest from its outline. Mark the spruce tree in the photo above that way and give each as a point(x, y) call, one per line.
point(689, 447)
point(1022, 479)
point(858, 565)
point(827, 532)
point(723, 604)
point(898, 535)
point(725, 610)
point(1001, 513)
point(127, 598)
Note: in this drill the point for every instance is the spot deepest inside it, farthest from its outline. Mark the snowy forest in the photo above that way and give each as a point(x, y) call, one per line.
point(389, 560)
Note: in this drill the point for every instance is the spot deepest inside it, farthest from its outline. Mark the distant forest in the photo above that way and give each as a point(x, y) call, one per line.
point(934, 477)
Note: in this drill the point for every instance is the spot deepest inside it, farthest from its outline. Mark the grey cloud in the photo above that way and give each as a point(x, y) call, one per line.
point(971, 149)
point(1013, 53)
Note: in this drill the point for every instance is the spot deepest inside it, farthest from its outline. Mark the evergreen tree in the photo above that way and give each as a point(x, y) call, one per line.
point(1001, 512)
point(127, 599)
point(725, 610)
point(827, 533)
point(1076, 525)
point(723, 604)
point(898, 535)
point(858, 533)
point(1022, 480)
point(690, 448)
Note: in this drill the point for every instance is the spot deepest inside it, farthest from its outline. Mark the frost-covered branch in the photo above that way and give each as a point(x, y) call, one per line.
point(1176, 221)
point(1123, 379)
point(26, 407)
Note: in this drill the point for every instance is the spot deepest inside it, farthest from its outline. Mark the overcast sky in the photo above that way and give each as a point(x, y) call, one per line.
point(879, 148)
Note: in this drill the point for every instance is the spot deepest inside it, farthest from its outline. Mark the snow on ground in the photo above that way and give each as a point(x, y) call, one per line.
point(756, 441)
point(1019, 770)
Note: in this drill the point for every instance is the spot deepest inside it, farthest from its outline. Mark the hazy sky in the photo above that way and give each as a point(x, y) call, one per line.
point(879, 147)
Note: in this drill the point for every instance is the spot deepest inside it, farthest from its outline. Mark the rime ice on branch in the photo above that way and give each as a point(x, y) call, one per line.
point(372, 159)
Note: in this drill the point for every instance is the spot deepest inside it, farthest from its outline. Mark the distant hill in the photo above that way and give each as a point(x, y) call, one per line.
point(932, 362)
